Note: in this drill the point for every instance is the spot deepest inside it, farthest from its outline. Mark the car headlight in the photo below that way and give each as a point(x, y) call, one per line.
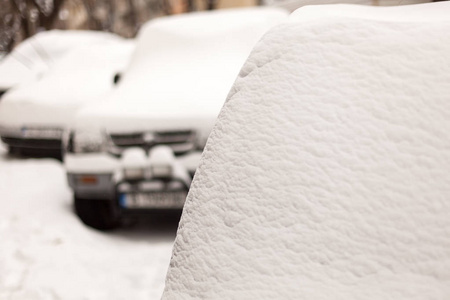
point(87, 141)
point(161, 160)
point(134, 163)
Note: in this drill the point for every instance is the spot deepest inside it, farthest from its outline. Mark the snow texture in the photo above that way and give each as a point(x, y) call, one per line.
point(34, 56)
point(292, 5)
point(181, 71)
point(326, 174)
point(47, 253)
point(82, 76)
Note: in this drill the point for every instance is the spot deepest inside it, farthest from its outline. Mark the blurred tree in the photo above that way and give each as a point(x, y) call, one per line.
point(20, 19)
point(23, 18)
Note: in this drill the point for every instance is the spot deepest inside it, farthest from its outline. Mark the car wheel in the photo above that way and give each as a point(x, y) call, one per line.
point(99, 214)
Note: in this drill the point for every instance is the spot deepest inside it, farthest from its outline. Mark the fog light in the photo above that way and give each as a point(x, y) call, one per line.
point(161, 162)
point(161, 171)
point(134, 163)
point(134, 174)
point(87, 179)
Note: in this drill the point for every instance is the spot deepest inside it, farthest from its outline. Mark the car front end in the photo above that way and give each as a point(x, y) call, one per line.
point(45, 140)
point(129, 173)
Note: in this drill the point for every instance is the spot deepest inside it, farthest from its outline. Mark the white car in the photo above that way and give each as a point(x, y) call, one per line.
point(137, 150)
point(35, 55)
point(34, 116)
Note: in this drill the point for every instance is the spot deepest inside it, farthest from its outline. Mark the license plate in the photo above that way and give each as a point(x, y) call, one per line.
point(46, 133)
point(153, 200)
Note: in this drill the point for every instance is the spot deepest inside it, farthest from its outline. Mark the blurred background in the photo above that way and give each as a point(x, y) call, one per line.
point(24, 18)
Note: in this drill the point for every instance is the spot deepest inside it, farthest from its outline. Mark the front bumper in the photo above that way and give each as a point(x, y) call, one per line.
point(143, 195)
point(39, 138)
point(92, 186)
point(101, 176)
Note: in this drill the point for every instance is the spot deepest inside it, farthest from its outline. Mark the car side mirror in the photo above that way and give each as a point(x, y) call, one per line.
point(117, 78)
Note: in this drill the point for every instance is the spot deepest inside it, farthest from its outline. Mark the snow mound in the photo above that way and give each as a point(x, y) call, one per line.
point(326, 174)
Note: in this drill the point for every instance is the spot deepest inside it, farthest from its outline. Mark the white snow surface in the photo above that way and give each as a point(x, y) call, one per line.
point(34, 56)
point(408, 13)
point(326, 174)
point(181, 71)
point(47, 253)
point(292, 5)
point(102, 162)
point(82, 76)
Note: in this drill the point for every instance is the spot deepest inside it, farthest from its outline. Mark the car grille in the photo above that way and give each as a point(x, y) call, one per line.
point(128, 140)
point(180, 141)
point(33, 143)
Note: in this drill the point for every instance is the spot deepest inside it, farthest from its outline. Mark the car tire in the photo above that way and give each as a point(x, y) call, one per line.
point(98, 214)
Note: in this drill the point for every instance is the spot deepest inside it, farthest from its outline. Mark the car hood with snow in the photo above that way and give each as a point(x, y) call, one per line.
point(82, 76)
point(326, 174)
point(181, 72)
point(34, 56)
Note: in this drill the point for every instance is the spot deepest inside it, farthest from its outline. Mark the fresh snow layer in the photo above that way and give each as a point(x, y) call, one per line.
point(181, 71)
point(408, 13)
point(292, 5)
point(103, 163)
point(34, 56)
point(47, 253)
point(327, 173)
point(82, 76)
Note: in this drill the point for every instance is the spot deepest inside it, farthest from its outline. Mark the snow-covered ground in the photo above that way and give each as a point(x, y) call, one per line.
point(47, 253)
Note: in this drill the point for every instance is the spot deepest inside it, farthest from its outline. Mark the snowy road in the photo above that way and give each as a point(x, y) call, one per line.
point(47, 253)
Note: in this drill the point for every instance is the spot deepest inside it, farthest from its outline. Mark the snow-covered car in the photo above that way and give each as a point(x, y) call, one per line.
point(137, 150)
point(326, 175)
point(35, 55)
point(34, 116)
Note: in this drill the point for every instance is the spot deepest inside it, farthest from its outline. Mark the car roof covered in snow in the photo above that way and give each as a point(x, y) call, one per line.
point(81, 76)
point(182, 70)
point(326, 174)
point(35, 55)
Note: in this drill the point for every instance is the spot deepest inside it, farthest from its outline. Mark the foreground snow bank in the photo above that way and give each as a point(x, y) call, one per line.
point(47, 253)
point(326, 175)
